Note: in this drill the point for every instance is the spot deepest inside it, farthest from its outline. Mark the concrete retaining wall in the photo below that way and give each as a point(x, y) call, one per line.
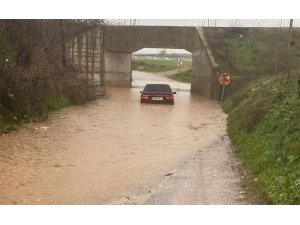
point(205, 77)
point(117, 69)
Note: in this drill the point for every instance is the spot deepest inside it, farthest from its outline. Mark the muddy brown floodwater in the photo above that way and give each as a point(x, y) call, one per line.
point(118, 151)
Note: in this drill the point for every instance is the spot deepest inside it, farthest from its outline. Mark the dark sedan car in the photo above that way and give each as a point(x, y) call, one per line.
point(157, 93)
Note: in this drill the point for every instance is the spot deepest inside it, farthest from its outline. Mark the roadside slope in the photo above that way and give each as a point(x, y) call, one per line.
point(264, 125)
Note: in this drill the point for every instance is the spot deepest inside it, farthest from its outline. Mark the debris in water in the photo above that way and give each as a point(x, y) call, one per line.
point(169, 174)
point(45, 128)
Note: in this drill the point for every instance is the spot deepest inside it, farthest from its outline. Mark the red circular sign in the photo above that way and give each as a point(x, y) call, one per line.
point(225, 79)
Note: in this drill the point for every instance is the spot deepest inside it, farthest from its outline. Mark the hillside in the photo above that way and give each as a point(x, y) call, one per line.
point(250, 53)
point(263, 106)
point(264, 126)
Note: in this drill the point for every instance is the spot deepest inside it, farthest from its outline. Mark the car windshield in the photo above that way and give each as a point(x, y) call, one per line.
point(157, 88)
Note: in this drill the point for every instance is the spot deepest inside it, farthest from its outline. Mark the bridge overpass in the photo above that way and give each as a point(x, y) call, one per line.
point(115, 45)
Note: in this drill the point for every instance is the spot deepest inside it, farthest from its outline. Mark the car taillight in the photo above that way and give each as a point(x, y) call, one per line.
point(169, 97)
point(144, 97)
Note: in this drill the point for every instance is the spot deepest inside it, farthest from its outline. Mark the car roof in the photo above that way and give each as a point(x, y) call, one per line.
point(157, 88)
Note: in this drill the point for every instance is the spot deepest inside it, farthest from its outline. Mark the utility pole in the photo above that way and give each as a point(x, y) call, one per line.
point(288, 57)
point(280, 22)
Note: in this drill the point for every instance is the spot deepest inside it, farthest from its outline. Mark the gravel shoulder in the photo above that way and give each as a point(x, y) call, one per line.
point(209, 177)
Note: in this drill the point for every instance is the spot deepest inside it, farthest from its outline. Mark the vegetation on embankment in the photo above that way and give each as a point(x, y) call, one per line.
point(35, 76)
point(264, 126)
point(184, 77)
point(263, 107)
point(12, 119)
point(249, 53)
point(151, 65)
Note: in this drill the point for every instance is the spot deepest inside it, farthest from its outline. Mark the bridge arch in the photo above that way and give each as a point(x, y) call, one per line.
point(117, 43)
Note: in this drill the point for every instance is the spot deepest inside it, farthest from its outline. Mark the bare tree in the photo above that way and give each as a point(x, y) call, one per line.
point(288, 54)
point(123, 22)
point(73, 50)
point(37, 53)
point(163, 52)
point(102, 62)
point(79, 49)
point(2, 25)
point(87, 55)
point(93, 45)
point(63, 43)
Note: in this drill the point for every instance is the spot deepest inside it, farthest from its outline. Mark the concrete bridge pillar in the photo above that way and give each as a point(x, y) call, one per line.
point(117, 69)
point(203, 81)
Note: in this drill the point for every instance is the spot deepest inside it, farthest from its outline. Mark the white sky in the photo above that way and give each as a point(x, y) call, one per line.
point(218, 22)
point(157, 50)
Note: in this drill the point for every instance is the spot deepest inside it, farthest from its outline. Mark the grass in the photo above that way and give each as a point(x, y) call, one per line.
point(11, 119)
point(56, 103)
point(26, 95)
point(264, 111)
point(249, 53)
point(184, 77)
point(150, 65)
point(264, 126)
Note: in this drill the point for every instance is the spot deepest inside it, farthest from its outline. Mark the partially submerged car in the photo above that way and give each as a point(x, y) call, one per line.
point(157, 93)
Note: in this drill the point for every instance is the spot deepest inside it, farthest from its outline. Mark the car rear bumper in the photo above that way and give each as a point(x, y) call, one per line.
point(170, 102)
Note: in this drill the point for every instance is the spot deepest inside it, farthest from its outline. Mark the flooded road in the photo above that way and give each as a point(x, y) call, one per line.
point(118, 151)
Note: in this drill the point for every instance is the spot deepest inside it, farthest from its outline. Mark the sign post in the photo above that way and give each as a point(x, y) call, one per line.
point(223, 92)
point(224, 79)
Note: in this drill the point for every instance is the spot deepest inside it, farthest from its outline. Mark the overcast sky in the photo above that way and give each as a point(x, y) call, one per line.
point(218, 22)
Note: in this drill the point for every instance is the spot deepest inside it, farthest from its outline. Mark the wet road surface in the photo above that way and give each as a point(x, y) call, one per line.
point(118, 151)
